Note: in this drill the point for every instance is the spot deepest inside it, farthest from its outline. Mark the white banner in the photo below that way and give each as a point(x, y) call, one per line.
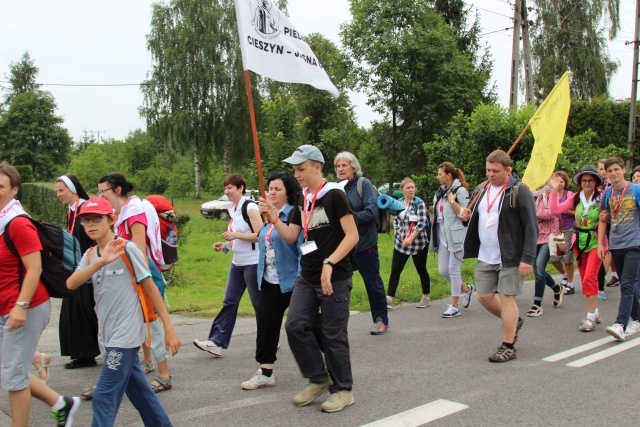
point(272, 47)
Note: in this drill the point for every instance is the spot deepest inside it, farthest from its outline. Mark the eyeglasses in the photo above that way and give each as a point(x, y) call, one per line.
point(101, 192)
point(588, 181)
point(92, 220)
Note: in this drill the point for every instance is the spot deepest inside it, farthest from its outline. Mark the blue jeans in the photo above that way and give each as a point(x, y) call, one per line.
point(627, 262)
point(314, 344)
point(239, 279)
point(542, 277)
point(368, 264)
point(121, 373)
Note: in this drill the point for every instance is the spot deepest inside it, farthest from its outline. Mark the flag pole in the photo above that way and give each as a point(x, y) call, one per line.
point(513, 147)
point(254, 133)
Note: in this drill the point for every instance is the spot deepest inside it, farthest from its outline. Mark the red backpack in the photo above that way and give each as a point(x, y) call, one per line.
point(167, 215)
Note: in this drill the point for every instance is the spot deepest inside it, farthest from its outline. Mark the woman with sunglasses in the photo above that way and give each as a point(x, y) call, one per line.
point(586, 205)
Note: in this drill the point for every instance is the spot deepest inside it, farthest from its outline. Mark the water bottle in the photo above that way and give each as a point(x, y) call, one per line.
point(171, 238)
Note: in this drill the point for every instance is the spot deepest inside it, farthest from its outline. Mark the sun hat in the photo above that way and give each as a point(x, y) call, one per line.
point(588, 169)
point(304, 153)
point(97, 206)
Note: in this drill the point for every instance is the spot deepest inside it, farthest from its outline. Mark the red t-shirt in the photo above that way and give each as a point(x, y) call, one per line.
point(25, 238)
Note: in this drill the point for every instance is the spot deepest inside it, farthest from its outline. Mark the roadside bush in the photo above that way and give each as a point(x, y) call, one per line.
point(40, 201)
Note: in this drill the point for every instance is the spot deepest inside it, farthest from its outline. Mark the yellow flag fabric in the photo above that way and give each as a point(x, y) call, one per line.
point(548, 125)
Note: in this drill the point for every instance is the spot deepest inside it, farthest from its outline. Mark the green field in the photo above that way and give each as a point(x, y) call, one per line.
point(198, 279)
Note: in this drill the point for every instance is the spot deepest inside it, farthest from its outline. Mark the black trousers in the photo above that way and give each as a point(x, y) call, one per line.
point(271, 307)
point(398, 262)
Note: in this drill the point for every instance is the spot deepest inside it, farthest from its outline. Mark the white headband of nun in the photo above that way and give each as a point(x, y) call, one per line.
point(68, 183)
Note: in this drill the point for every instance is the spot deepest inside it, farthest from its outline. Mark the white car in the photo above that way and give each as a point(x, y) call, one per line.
point(220, 208)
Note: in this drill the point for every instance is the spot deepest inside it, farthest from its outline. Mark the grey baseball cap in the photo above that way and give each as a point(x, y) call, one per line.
point(304, 153)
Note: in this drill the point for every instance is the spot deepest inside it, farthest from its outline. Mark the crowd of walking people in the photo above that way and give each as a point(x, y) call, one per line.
point(296, 249)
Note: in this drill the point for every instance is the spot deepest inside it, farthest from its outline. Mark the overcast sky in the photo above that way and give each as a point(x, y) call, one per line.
point(88, 42)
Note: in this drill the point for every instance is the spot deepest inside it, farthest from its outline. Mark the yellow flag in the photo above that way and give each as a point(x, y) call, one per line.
point(548, 125)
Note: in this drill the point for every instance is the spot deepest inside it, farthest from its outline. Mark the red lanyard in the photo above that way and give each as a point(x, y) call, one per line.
point(269, 231)
point(490, 202)
point(615, 211)
point(441, 204)
point(75, 217)
point(306, 217)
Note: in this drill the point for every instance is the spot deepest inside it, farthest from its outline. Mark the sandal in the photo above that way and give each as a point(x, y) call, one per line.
point(87, 393)
point(163, 385)
point(43, 372)
point(557, 296)
point(588, 325)
point(147, 367)
point(535, 311)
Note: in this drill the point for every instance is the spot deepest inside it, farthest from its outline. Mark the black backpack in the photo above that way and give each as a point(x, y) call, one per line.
point(60, 256)
point(382, 220)
point(245, 217)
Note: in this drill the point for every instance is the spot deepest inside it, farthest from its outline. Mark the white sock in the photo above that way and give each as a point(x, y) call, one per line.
point(614, 274)
point(591, 316)
point(59, 404)
point(597, 312)
point(570, 284)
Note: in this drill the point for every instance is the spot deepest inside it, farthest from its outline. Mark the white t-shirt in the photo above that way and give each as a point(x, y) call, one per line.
point(488, 225)
point(243, 254)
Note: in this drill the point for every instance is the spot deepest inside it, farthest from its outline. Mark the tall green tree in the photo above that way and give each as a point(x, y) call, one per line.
point(571, 35)
point(192, 100)
point(32, 134)
point(407, 60)
point(22, 77)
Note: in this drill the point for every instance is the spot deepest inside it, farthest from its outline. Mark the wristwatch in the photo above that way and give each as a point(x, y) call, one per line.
point(24, 305)
point(327, 261)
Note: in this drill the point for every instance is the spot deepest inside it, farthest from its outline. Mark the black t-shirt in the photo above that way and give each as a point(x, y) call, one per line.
point(325, 229)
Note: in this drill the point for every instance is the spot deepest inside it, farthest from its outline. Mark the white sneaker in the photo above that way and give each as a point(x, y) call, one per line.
point(259, 381)
point(209, 346)
point(451, 311)
point(466, 296)
point(633, 327)
point(389, 302)
point(616, 330)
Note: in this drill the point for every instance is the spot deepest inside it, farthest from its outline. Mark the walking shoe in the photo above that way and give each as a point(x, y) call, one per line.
point(535, 311)
point(613, 282)
point(569, 290)
point(338, 401)
point(518, 326)
point(311, 392)
point(557, 296)
point(504, 354)
point(389, 302)
point(564, 281)
point(588, 325)
point(616, 330)
point(64, 416)
point(147, 366)
point(424, 302)
point(466, 297)
point(379, 328)
point(451, 311)
point(258, 381)
point(633, 327)
point(209, 346)
point(602, 296)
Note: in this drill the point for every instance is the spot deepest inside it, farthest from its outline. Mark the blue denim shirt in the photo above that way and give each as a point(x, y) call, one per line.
point(287, 255)
point(366, 210)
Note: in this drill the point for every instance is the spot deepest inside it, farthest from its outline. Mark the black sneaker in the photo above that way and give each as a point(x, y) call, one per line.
point(569, 290)
point(613, 282)
point(504, 354)
point(64, 416)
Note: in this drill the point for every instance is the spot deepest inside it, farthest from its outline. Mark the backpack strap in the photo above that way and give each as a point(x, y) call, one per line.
point(12, 248)
point(245, 217)
point(359, 186)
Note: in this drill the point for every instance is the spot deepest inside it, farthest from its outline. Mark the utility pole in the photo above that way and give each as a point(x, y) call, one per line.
point(634, 92)
point(515, 55)
point(528, 71)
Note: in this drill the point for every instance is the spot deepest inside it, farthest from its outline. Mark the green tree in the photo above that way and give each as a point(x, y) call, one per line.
point(22, 77)
point(406, 58)
point(32, 134)
point(571, 35)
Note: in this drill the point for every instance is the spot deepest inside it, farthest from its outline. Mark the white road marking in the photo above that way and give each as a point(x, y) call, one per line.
point(578, 350)
point(604, 353)
point(420, 415)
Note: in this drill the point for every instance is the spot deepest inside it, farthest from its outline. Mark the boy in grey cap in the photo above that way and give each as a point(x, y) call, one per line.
point(325, 217)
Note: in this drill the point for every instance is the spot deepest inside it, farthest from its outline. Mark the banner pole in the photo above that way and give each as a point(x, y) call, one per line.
point(513, 147)
point(254, 133)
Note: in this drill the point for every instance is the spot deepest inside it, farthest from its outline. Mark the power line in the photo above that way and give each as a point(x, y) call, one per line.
point(91, 85)
point(496, 31)
point(491, 11)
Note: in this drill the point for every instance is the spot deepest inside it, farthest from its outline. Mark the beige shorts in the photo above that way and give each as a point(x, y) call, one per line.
point(491, 278)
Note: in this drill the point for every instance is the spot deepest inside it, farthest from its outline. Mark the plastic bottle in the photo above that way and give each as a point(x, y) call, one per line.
point(171, 238)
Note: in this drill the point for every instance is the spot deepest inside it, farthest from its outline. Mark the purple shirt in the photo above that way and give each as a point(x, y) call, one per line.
point(568, 221)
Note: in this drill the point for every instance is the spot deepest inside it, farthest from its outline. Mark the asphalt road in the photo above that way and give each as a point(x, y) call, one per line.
point(435, 367)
